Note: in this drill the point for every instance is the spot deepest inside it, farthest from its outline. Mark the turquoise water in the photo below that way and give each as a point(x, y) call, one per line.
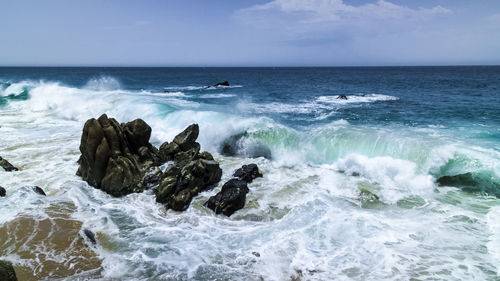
point(399, 130)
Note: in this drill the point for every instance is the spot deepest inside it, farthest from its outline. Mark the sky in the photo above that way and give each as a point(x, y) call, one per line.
point(249, 33)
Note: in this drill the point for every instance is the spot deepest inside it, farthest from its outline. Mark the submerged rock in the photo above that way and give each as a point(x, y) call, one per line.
point(473, 182)
point(230, 199)
point(7, 272)
point(39, 190)
point(3, 192)
point(248, 173)
point(7, 166)
point(115, 157)
point(238, 145)
point(342, 97)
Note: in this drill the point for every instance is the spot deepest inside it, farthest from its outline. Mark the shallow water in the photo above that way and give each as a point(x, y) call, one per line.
point(348, 193)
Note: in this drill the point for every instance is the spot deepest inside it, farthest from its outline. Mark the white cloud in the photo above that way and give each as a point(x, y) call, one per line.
point(315, 11)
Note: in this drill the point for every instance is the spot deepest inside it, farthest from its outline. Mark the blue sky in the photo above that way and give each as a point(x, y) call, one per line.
point(249, 33)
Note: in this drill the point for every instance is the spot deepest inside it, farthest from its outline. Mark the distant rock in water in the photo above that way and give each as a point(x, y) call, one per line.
point(39, 190)
point(230, 199)
point(241, 145)
point(472, 182)
point(224, 84)
point(6, 165)
point(342, 97)
point(7, 272)
point(248, 173)
point(115, 157)
point(191, 172)
point(3, 192)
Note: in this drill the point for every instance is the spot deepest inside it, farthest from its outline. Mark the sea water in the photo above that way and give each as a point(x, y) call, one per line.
point(349, 189)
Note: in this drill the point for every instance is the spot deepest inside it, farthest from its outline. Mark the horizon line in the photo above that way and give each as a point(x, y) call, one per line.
point(243, 66)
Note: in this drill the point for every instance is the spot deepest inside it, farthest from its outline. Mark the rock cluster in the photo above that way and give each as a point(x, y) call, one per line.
point(6, 165)
point(3, 192)
point(233, 194)
point(119, 159)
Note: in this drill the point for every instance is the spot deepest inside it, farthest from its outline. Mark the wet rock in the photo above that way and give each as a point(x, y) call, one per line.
point(238, 145)
point(39, 190)
point(6, 165)
point(187, 138)
point(230, 199)
point(342, 97)
point(7, 272)
point(256, 254)
point(248, 173)
point(181, 183)
point(90, 235)
point(224, 84)
point(115, 157)
point(473, 182)
point(3, 192)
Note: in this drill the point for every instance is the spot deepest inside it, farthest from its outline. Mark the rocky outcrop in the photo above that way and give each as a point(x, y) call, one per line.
point(7, 272)
point(6, 165)
point(248, 173)
point(190, 173)
point(342, 97)
point(115, 157)
point(3, 192)
point(230, 199)
point(233, 194)
point(119, 160)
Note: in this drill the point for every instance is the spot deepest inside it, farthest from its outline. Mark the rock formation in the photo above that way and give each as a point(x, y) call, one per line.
point(115, 157)
point(7, 272)
point(3, 192)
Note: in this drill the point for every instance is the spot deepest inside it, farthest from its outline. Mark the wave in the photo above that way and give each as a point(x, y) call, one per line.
point(216, 96)
point(199, 88)
point(103, 83)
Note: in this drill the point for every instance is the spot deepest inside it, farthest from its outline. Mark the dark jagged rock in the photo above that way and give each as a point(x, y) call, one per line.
point(7, 272)
point(3, 192)
point(191, 173)
point(7, 166)
point(90, 235)
point(181, 183)
point(115, 157)
point(39, 190)
point(230, 199)
point(235, 146)
point(248, 173)
point(342, 97)
point(224, 84)
point(466, 179)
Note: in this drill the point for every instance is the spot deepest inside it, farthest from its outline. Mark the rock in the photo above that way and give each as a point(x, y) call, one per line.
point(342, 97)
point(224, 84)
point(230, 199)
point(473, 182)
point(236, 145)
point(7, 272)
point(90, 235)
point(3, 192)
point(257, 254)
point(248, 173)
point(39, 190)
point(186, 139)
point(115, 157)
point(181, 183)
point(7, 166)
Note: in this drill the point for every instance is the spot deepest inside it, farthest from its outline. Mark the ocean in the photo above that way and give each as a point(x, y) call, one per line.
point(349, 190)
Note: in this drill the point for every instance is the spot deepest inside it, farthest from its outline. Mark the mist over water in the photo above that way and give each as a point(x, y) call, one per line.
point(349, 189)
